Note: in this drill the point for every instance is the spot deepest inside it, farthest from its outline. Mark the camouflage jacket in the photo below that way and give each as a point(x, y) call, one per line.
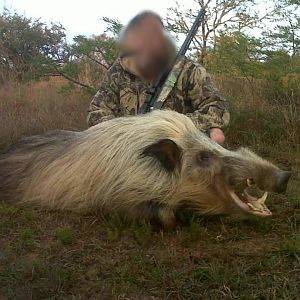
point(122, 92)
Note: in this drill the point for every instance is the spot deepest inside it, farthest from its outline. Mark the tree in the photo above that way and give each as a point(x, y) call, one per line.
point(220, 15)
point(96, 54)
point(24, 40)
point(237, 55)
point(30, 49)
point(285, 36)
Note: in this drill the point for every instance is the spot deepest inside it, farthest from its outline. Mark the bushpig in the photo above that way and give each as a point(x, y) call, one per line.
point(147, 166)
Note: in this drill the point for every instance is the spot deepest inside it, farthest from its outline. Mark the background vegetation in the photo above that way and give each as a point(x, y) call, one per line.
point(47, 83)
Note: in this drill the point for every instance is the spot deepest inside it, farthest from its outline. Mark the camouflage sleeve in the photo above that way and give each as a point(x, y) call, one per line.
point(106, 102)
point(210, 108)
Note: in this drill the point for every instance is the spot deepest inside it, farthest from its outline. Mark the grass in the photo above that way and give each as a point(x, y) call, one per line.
point(65, 235)
point(56, 255)
point(36, 107)
point(211, 258)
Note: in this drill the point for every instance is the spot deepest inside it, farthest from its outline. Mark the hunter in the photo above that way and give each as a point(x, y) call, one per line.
point(147, 52)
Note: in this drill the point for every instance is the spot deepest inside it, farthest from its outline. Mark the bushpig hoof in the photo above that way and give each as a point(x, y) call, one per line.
point(164, 219)
point(167, 218)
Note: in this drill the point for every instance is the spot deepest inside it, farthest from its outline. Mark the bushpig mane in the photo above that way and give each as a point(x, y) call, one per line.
point(85, 170)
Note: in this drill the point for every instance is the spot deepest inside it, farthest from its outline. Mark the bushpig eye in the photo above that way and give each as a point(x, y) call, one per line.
point(204, 158)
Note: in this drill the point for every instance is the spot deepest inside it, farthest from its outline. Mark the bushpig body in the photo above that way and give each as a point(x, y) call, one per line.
point(141, 166)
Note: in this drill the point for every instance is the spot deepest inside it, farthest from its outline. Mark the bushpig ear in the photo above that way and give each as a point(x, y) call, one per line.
point(167, 152)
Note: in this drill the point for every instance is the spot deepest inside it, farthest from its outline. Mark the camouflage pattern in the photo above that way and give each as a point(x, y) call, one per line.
point(170, 82)
point(122, 92)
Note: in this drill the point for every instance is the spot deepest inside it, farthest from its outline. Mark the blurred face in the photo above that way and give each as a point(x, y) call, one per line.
point(148, 46)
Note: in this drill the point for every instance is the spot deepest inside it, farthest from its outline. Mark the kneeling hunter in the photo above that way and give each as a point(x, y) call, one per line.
point(147, 51)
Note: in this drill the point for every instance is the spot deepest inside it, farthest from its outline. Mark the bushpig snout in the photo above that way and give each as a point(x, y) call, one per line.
point(283, 178)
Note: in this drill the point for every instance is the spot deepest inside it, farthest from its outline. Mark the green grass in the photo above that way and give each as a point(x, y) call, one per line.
point(291, 246)
point(67, 256)
point(65, 235)
point(25, 237)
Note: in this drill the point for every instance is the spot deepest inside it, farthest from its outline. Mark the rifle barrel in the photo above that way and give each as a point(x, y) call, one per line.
point(192, 32)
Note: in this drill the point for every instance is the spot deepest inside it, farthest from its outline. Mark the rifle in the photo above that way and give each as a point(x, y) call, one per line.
point(165, 83)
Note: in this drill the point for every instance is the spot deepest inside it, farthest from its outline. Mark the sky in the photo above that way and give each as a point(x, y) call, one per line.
point(83, 17)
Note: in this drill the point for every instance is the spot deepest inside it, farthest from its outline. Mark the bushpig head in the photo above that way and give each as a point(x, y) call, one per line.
point(214, 180)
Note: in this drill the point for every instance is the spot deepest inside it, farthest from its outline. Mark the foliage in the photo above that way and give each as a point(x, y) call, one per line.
point(85, 61)
point(24, 41)
point(236, 54)
point(240, 56)
point(284, 35)
point(220, 16)
point(30, 49)
point(88, 58)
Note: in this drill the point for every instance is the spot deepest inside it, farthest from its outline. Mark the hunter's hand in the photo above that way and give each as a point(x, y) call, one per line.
point(217, 135)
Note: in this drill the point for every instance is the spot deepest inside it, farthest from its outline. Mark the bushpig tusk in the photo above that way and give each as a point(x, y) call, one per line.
point(263, 199)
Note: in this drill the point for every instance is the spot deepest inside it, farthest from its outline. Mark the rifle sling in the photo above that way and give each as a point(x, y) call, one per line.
point(170, 82)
